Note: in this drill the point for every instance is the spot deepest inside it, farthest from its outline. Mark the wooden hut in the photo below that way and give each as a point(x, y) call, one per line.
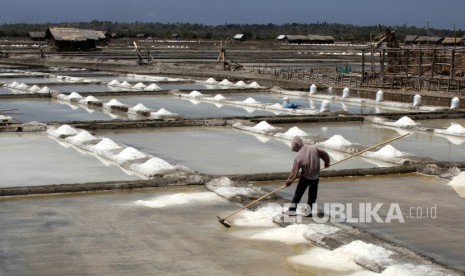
point(452, 41)
point(37, 36)
point(240, 37)
point(428, 40)
point(72, 38)
point(410, 39)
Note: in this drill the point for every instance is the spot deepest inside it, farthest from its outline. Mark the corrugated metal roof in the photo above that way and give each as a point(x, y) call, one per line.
point(238, 36)
point(73, 34)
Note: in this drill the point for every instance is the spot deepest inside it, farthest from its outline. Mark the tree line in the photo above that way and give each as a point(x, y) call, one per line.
point(341, 32)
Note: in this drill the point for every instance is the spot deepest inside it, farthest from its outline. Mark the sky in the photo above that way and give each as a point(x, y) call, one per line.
point(442, 14)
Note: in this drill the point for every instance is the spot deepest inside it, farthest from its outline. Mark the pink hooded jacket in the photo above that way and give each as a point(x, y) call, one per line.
point(307, 159)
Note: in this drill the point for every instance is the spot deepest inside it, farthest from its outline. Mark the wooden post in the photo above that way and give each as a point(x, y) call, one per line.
point(382, 59)
point(452, 64)
point(433, 65)
point(363, 66)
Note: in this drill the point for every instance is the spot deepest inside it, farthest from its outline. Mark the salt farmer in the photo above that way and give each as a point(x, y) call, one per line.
point(308, 161)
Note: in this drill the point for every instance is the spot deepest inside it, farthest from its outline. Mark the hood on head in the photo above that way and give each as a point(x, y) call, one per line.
point(297, 143)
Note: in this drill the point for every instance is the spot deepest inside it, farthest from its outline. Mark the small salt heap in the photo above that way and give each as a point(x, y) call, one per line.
point(295, 131)
point(277, 106)
point(250, 101)
point(113, 102)
point(44, 89)
point(128, 154)
point(456, 129)
point(13, 84)
point(139, 85)
point(226, 82)
point(34, 88)
point(211, 81)
point(140, 107)
point(254, 85)
point(88, 99)
point(389, 151)
point(105, 145)
point(195, 94)
point(264, 126)
point(152, 167)
point(405, 122)
point(336, 141)
point(219, 97)
point(126, 84)
point(152, 87)
point(114, 83)
point(240, 84)
point(63, 130)
point(82, 137)
point(22, 86)
point(73, 96)
point(161, 112)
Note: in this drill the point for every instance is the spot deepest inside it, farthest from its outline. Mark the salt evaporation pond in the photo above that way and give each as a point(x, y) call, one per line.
point(49, 110)
point(424, 144)
point(5, 90)
point(34, 159)
point(441, 123)
point(219, 151)
point(439, 235)
point(119, 233)
point(314, 104)
point(189, 107)
point(31, 80)
point(95, 88)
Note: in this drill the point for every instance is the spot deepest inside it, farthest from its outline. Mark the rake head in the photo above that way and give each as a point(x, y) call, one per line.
point(224, 222)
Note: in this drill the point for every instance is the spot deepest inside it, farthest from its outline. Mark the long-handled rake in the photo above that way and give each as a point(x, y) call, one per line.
point(226, 223)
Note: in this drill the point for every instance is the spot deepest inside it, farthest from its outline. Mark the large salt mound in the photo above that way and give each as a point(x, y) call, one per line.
point(254, 85)
point(250, 101)
point(140, 107)
point(139, 85)
point(405, 121)
point(114, 83)
point(295, 131)
point(34, 88)
point(105, 145)
point(337, 141)
point(226, 82)
point(263, 125)
point(80, 138)
point(126, 84)
point(152, 87)
point(211, 81)
point(152, 166)
point(195, 93)
point(128, 154)
point(456, 129)
point(63, 130)
point(458, 183)
point(219, 97)
point(89, 99)
point(359, 251)
point(114, 102)
point(240, 84)
point(292, 234)
point(180, 199)
point(389, 151)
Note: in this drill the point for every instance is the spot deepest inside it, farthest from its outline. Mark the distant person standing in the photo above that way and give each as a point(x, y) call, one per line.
point(308, 161)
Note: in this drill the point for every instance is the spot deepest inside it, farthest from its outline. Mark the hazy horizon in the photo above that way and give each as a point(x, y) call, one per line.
point(419, 13)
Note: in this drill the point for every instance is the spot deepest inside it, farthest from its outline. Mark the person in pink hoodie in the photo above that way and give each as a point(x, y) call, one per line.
point(308, 161)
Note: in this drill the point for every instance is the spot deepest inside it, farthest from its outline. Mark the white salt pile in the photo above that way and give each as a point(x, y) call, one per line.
point(181, 199)
point(14, 84)
point(128, 154)
point(226, 188)
point(211, 81)
point(292, 234)
point(5, 118)
point(140, 107)
point(114, 102)
point(359, 251)
point(411, 270)
point(389, 151)
point(162, 111)
point(73, 95)
point(337, 141)
point(254, 85)
point(264, 126)
point(22, 86)
point(318, 258)
point(295, 131)
point(126, 84)
point(81, 138)
point(405, 121)
point(139, 85)
point(219, 97)
point(226, 82)
point(152, 87)
point(44, 89)
point(277, 106)
point(63, 130)
point(456, 129)
point(261, 217)
point(195, 93)
point(88, 99)
point(317, 232)
point(105, 145)
point(240, 84)
point(34, 88)
point(458, 183)
point(114, 83)
point(152, 166)
point(250, 100)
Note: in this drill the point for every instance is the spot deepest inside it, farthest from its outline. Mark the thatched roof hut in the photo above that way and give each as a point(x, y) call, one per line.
point(452, 41)
point(72, 38)
point(410, 39)
point(431, 40)
point(37, 36)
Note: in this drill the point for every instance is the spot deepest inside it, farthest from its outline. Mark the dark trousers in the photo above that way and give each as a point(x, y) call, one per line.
point(300, 190)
